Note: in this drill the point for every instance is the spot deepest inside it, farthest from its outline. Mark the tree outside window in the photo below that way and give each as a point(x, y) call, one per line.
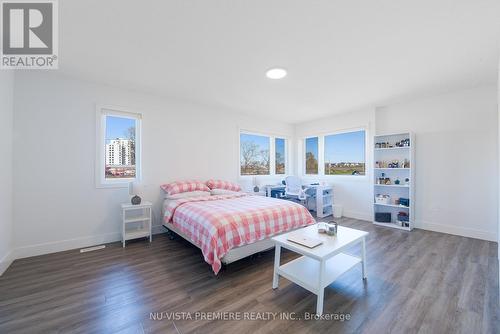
point(312, 155)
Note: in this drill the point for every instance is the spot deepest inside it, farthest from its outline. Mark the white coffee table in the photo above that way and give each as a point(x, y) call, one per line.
point(321, 265)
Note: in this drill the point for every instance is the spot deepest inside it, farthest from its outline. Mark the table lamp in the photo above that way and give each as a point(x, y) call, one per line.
point(132, 189)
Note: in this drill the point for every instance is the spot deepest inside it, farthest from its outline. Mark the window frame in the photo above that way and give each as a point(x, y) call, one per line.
point(321, 153)
point(102, 111)
point(272, 153)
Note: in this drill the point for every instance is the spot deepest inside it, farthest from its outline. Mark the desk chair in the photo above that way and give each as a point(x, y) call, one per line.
point(294, 189)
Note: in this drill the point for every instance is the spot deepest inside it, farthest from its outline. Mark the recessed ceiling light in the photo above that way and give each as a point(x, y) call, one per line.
point(276, 73)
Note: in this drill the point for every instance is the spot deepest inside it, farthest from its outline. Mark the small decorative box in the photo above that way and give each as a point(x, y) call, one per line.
point(382, 199)
point(404, 201)
point(322, 227)
point(403, 218)
point(383, 217)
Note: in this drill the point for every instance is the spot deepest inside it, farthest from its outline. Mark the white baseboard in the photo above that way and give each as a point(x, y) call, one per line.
point(64, 245)
point(450, 229)
point(456, 230)
point(76, 243)
point(358, 215)
point(5, 262)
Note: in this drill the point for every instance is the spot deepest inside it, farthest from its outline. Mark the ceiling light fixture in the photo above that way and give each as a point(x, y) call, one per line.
point(276, 73)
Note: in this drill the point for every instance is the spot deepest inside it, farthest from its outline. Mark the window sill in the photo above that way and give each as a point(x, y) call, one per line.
point(117, 184)
point(262, 176)
point(349, 178)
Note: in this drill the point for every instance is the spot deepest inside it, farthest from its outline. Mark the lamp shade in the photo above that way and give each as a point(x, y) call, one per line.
point(135, 188)
point(138, 189)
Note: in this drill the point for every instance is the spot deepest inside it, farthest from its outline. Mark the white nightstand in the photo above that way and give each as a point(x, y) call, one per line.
point(136, 221)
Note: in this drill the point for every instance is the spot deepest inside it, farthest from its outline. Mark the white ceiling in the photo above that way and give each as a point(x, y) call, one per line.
point(340, 55)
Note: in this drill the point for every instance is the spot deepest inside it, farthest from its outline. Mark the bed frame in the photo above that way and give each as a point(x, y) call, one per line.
point(234, 254)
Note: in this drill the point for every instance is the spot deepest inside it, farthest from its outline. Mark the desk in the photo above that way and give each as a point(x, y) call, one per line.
point(323, 199)
point(271, 187)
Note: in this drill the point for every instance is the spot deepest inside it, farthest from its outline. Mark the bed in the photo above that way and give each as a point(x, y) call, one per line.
point(229, 227)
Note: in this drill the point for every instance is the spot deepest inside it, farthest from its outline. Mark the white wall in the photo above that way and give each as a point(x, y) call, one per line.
point(57, 206)
point(456, 159)
point(354, 193)
point(56, 203)
point(6, 167)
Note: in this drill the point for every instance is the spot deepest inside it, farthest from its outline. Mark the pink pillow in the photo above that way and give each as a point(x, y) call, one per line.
point(184, 186)
point(219, 184)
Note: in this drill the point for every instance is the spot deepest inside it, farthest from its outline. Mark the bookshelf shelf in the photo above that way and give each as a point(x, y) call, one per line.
point(393, 205)
point(393, 225)
point(392, 148)
point(392, 185)
point(403, 160)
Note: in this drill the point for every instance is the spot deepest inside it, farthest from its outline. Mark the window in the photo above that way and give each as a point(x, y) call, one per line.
point(262, 154)
point(254, 154)
point(120, 147)
point(345, 153)
point(339, 154)
point(279, 149)
point(311, 156)
point(118, 160)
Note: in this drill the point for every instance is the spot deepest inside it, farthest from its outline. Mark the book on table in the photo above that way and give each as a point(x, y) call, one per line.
point(304, 240)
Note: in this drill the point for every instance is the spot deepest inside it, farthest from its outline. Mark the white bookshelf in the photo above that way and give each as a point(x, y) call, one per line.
point(384, 155)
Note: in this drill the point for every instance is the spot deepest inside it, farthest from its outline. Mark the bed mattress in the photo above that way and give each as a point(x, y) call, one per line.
point(217, 224)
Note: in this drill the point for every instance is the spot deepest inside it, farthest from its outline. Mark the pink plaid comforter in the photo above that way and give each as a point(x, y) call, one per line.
point(219, 223)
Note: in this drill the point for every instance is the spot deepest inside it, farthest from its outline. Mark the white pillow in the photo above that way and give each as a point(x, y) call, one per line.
point(223, 192)
point(187, 194)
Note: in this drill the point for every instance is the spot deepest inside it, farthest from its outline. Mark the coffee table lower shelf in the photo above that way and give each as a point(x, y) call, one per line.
point(304, 271)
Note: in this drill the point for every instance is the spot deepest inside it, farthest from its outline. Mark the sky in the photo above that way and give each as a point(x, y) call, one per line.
point(280, 146)
point(312, 146)
point(116, 126)
point(261, 141)
point(345, 147)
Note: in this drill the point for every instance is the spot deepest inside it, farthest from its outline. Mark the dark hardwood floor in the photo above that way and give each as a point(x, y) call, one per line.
point(418, 282)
